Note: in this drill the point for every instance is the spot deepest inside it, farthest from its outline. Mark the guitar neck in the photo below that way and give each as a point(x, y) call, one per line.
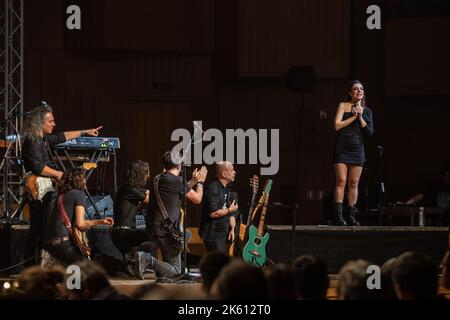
point(263, 216)
point(250, 211)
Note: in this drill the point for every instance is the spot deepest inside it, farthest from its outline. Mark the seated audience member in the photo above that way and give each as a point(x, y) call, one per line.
point(36, 283)
point(387, 287)
point(210, 266)
point(352, 282)
point(280, 280)
point(415, 277)
point(94, 284)
point(240, 281)
point(311, 278)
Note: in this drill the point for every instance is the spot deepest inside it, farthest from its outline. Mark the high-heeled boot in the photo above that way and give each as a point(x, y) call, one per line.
point(338, 219)
point(350, 216)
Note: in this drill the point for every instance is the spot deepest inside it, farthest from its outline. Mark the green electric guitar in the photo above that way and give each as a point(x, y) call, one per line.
point(255, 250)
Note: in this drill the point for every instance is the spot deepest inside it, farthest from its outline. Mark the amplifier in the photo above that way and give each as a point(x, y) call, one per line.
point(104, 205)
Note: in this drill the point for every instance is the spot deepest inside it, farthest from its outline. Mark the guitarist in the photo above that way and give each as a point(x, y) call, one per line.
point(164, 216)
point(57, 238)
point(38, 142)
point(219, 210)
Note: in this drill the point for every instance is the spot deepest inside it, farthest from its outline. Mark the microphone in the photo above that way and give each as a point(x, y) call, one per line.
point(23, 114)
point(380, 150)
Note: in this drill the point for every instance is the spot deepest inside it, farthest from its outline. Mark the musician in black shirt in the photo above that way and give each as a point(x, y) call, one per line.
point(56, 237)
point(219, 210)
point(171, 192)
point(37, 144)
point(132, 195)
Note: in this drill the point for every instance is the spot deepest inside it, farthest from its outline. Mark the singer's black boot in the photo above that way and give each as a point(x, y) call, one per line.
point(350, 216)
point(338, 219)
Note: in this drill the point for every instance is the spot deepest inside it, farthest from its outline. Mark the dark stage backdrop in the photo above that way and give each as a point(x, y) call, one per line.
point(145, 68)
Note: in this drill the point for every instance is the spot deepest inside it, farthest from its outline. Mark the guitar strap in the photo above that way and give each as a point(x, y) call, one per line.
point(49, 151)
point(62, 213)
point(168, 223)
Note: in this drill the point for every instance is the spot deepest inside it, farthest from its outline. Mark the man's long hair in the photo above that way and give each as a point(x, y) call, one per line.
point(136, 174)
point(34, 122)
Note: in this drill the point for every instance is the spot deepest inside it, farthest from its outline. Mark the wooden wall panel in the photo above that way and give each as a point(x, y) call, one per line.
point(274, 35)
point(156, 26)
point(416, 56)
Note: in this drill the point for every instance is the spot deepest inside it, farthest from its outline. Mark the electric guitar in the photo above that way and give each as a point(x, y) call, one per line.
point(81, 240)
point(78, 236)
point(243, 228)
point(255, 250)
point(37, 186)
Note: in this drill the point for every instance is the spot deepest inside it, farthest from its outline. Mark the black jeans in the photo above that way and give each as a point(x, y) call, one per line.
point(171, 264)
point(39, 215)
point(66, 252)
point(130, 240)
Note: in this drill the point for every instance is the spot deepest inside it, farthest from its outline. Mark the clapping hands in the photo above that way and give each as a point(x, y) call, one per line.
point(200, 175)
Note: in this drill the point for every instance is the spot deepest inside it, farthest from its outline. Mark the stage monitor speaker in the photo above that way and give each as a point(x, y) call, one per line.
point(300, 78)
point(104, 205)
point(12, 247)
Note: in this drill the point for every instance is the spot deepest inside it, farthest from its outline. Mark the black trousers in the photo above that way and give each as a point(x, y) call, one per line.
point(39, 215)
point(130, 240)
point(219, 243)
point(66, 252)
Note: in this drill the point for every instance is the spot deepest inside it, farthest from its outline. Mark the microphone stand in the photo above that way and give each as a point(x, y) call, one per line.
point(295, 209)
point(185, 277)
point(381, 189)
point(183, 220)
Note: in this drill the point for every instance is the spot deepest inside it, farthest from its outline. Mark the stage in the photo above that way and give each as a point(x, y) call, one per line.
point(337, 245)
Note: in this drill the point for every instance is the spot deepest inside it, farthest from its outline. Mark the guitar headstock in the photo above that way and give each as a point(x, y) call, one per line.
point(89, 165)
point(254, 183)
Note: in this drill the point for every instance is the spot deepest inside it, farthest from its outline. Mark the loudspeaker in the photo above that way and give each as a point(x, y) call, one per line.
point(12, 247)
point(300, 78)
point(104, 205)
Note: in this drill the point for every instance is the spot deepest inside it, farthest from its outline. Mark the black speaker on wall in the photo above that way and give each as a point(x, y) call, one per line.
point(300, 78)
